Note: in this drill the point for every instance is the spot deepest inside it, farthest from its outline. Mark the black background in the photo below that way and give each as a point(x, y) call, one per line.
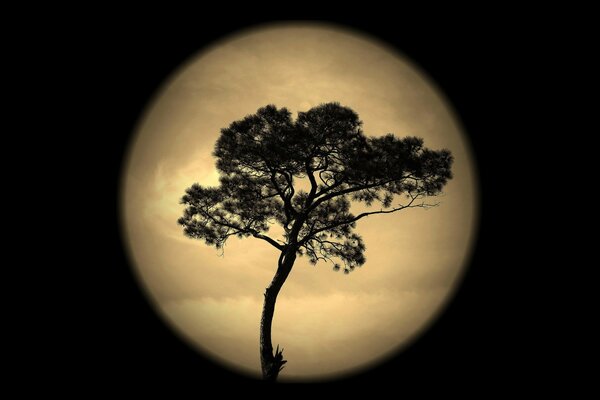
point(115, 338)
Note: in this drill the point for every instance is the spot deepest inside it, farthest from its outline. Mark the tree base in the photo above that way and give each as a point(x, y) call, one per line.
point(273, 365)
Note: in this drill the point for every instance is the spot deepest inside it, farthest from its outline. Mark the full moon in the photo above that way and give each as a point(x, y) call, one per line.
point(330, 324)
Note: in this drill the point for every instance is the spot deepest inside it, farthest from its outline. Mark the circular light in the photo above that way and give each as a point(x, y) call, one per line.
point(330, 324)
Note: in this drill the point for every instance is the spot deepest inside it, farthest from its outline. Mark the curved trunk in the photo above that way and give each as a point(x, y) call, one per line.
point(271, 363)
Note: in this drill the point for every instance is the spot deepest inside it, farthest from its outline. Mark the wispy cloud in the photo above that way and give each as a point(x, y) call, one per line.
point(320, 334)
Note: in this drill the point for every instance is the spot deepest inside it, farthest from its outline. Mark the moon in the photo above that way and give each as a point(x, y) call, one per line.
point(330, 324)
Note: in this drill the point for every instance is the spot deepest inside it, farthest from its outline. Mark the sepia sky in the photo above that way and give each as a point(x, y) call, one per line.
point(328, 322)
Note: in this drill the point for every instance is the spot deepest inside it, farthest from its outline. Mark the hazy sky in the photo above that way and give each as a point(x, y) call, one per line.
point(328, 322)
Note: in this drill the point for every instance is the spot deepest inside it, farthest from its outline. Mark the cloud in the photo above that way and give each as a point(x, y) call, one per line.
point(322, 335)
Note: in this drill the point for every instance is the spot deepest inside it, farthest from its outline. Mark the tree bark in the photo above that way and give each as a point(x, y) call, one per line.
point(271, 363)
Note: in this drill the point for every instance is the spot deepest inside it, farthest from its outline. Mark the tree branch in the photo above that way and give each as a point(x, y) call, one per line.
point(268, 240)
point(288, 209)
point(277, 188)
point(313, 186)
point(329, 187)
point(239, 229)
point(366, 214)
point(345, 191)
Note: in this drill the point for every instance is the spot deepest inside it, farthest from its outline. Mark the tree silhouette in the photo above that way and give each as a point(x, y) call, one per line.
point(263, 158)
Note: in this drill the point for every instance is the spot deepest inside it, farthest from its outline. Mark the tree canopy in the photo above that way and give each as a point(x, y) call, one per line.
point(262, 158)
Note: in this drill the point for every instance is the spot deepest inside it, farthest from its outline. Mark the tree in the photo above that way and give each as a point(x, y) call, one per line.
point(261, 160)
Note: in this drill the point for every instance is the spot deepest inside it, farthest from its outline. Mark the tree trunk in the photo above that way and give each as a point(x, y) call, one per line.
point(273, 363)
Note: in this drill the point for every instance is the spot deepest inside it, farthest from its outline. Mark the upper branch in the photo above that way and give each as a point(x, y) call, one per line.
point(313, 185)
point(350, 219)
point(323, 197)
